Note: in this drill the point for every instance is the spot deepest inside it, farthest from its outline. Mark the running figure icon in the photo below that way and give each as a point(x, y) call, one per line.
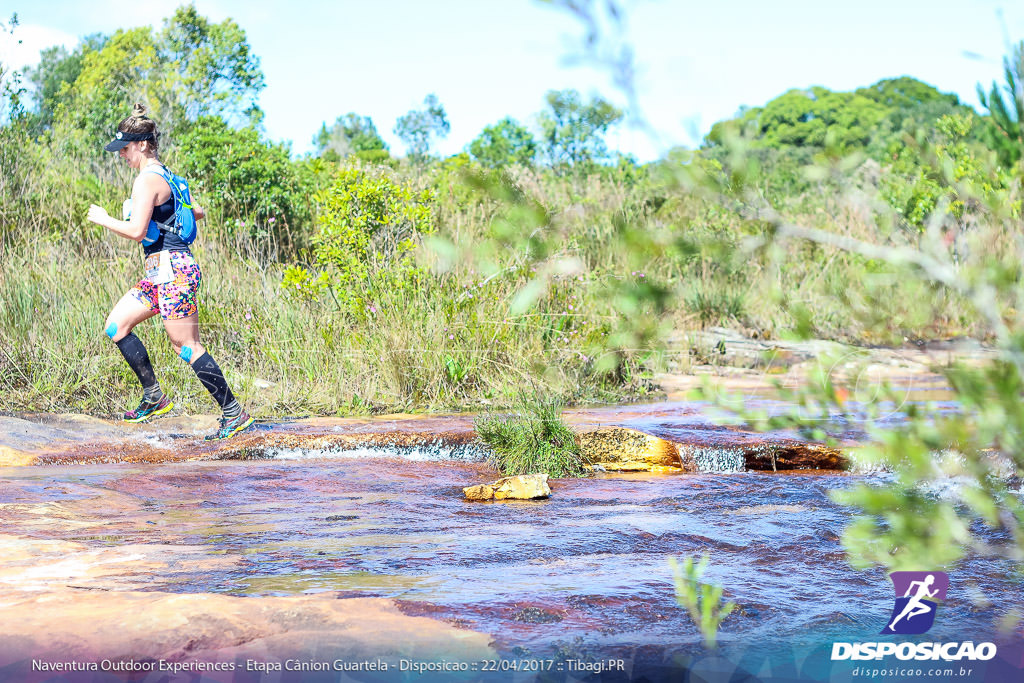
point(917, 597)
point(915, 607)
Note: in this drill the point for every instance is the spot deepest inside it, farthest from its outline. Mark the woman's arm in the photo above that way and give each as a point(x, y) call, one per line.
point(144, 197)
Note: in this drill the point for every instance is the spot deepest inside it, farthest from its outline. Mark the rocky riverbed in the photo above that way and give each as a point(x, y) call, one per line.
point(351, 540)
point(312, 536)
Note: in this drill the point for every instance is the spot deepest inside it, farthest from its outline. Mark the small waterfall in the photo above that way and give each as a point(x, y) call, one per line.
point(435, 451)
point(861, 466)
point(718, 458)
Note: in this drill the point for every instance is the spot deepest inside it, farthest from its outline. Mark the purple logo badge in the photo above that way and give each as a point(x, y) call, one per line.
point(917, 597)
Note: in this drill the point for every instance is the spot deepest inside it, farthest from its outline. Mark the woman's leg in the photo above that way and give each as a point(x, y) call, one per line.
point(127, 313)
point(179, 309)
point(184, 335)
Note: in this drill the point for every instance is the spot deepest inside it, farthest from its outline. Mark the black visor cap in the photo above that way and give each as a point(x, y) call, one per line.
point(122, 139)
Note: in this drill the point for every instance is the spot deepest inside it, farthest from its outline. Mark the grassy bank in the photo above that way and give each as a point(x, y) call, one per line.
point(444, 329)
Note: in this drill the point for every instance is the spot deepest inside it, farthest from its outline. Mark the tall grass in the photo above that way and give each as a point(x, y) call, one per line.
point(451, 340)
point(446, 345)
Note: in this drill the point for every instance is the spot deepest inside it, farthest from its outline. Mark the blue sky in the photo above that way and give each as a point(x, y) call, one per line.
point(699, 62)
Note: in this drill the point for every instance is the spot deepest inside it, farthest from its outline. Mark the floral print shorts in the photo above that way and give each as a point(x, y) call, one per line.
point(177, 298)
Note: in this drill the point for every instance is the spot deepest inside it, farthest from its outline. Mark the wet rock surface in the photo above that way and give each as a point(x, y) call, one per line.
point(519, 487)
point(68, 624)
point(628, 450)
point(127, 562)
point(666, 438)
point(328, 555)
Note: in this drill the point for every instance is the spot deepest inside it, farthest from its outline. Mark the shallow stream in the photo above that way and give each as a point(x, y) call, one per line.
point(583, 574)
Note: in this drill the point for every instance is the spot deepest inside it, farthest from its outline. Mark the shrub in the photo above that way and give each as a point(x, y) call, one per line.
point(713, 304)
point(368, 226)
point(253, 183)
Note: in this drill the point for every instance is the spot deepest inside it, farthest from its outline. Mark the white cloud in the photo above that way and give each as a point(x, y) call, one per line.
point(23, 47)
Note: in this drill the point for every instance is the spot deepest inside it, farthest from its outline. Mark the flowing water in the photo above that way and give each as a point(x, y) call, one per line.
point(583, 573)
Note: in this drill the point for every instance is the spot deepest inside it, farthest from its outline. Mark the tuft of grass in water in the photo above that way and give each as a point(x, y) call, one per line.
point(533, 439)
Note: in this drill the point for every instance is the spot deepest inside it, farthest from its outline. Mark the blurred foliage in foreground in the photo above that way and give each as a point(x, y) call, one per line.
point(702, 601)
point(926, 197)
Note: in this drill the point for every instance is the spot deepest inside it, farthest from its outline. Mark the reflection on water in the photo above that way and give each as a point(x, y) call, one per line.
point(587, 566)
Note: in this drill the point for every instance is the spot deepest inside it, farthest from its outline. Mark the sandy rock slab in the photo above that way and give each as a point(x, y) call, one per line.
point(41, 439)
point(519, 487)
point(12, 457)
point(90, 626)
point(42, 565)
point(23, 441)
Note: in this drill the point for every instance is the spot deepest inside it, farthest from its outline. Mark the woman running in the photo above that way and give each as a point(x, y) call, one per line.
point(170, 285)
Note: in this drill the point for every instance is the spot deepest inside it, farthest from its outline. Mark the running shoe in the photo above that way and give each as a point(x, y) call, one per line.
point(229, 426)
point(149, 409)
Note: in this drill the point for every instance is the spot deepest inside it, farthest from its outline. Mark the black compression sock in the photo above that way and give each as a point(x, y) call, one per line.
point(233, 409)
point(210, 375)
point(134, 352)
point(152, 394)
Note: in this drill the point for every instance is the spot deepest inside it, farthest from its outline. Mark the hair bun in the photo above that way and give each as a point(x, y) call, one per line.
point(139, 110)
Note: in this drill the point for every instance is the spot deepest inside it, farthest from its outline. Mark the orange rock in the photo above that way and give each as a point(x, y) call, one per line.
point(519, 487)
point(12, 457)
point(626, 450)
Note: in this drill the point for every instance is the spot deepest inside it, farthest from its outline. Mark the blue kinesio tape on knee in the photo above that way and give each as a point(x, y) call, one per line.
point(111, 330)
point(186, 354)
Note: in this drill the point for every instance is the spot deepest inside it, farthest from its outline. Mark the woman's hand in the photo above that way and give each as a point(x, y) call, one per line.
point(98, 215)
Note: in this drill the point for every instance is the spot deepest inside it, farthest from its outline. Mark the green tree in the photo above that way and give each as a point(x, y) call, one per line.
point(905, 93)
point(57, 70)
point(505, 143)
point(191, 68)
point(870, 119)
point(807, 118)
point(1007, 131)
point(418, 128)
point(350, 134)
point(124, 71)
point(213, 70)
point(573, 131)
point(252, 182)
point(913, 107)
point(12, 90)
point(368, 225)
point(891, 121)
